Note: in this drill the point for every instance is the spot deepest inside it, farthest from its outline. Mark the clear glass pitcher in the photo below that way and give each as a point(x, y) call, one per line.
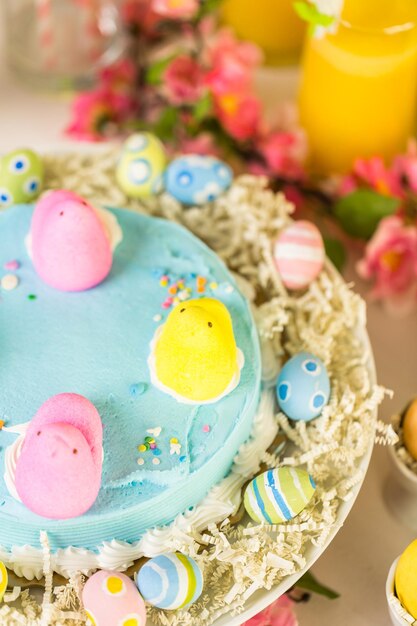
point(60, 44)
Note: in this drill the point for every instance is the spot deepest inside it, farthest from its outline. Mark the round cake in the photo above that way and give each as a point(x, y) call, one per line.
point(161, 454)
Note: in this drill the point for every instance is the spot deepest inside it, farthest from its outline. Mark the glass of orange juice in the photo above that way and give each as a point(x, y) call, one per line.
point(272, 24)
point(359, 84)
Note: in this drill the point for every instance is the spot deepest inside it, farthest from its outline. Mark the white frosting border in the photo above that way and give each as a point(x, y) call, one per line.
point(222, 501)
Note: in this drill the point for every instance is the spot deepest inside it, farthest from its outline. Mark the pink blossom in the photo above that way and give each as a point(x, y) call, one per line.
point(391, 262)
point(184, 80)
point(280, 613)
point(139, 13)
point(202, 144)
point(176, 9)
point(96, 114)
point(405, 167)
point(120, 76)
point(240, 115)
point(284, 153)
point(232, 64)
point(371, 173)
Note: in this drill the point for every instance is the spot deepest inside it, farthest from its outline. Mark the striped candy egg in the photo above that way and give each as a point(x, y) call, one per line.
point(3, 580)
point(278, 495)
point(299, 254)
point(170, 581)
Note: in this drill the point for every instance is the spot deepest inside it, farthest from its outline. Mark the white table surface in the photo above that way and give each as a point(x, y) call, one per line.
point(357, 562)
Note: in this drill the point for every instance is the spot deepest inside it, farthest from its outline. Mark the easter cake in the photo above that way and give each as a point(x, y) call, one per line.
point(150, 383)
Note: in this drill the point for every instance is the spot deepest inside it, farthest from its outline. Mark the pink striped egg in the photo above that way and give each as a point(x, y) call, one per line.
point(299, 254)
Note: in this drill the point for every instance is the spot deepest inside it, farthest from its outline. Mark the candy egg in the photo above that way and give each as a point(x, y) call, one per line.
point(406, 579)
point(3, 580)
point(21, 177)
point(170, 581)
point(299, 254)
point(278, 495)
point(303, 387)
point(410, 429)
point(111, 598)
point(141, 165)
point(194, 179)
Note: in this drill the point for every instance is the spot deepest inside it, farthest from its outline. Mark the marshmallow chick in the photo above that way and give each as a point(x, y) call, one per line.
point(71, 241)
point(58, 473)
point(194, 355)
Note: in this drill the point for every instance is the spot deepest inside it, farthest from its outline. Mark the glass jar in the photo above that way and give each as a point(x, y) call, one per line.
point(60, 44)
point(359, 84)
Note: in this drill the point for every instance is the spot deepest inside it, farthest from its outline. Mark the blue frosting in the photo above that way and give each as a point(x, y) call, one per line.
point(96, 343)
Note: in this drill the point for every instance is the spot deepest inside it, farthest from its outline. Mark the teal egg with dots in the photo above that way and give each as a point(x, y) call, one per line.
point(141, 166)
point(21, 177)
point(170, 581)
point(303, 387)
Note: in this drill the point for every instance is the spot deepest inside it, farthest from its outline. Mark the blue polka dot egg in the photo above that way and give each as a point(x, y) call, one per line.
point(141, 166)
point(303, 387)
point(170, 581)
point(21, 177)
point(194, 179)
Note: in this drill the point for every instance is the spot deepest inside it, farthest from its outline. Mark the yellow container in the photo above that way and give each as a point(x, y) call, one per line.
point(359, 85)
point(272, 24)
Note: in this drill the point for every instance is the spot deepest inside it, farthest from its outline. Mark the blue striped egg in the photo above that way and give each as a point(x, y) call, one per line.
point(303, 387)
point(194, 179)
point(278, 495)
point(170, 581)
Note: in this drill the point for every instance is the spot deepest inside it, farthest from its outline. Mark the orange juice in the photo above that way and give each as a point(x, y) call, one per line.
point(272, 24)
point(359, 85)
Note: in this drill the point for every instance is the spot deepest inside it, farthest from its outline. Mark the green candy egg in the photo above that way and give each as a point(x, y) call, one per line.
point(21, 177)
point(141, 165)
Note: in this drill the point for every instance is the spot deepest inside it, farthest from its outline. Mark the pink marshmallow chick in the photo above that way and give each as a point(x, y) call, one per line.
point(111, 599)
point(58, 473)
point(71, 250)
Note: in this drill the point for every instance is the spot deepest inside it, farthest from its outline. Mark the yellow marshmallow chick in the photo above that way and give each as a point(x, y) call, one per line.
point(3, 580)
point(195, 356)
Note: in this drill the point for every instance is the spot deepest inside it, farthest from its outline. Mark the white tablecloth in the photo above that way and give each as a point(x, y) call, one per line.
point(357, 562)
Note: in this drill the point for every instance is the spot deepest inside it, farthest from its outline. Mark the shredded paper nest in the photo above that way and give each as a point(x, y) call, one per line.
point(327, 320)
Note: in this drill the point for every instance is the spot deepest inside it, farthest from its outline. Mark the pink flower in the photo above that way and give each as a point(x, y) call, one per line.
point(232, 64)
point(139, 14)
point(240, 115)
point(371, 173)
point(202, 144)
point(97, 114)
point(284, 153)
point(119, 77)
point(184, 80)
point(176, 9)
point(405, 167)
point(280, 613)
point(391, 261)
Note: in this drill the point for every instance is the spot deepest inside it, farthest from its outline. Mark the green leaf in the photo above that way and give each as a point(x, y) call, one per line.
point(336, 252)
point(310, 583)
point(360, 212)
point(310, 13)
point(207, 7)
point(164, 127)
point(203, 107)
point(155, 72)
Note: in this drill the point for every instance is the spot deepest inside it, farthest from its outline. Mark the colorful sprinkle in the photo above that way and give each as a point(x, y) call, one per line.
point(156, 461)
point(2, 422)
point(182, 459)
point(142, 447)
point(156, 451)
point(149, 440)
point(229, 289)
point(173, 440)
point(152, 446)
point(213, 286)
point(12, 265)
point(32, 296)
point(173, 290)
point(164, 281)
point(137, 389)
point(206, 428)
point(157, 317)
point(9, 282)
point(141, 461)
